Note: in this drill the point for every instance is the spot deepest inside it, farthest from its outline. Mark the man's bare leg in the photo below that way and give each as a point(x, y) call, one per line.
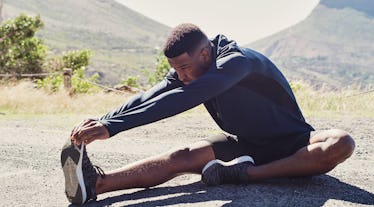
point(157, 170)
point(326, 150)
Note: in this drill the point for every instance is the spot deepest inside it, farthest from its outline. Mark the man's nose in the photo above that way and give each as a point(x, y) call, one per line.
point(182, 77)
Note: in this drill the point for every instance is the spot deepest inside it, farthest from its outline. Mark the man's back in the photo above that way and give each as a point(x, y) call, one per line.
point(260, 105)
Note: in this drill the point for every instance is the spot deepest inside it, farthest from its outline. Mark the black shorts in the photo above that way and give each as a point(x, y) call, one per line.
point(227, 147)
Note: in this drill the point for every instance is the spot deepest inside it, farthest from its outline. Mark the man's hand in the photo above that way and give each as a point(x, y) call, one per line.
point(88, 131)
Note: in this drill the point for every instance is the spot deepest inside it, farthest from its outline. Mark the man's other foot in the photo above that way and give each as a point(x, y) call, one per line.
point(217, 172)
point(80, 174)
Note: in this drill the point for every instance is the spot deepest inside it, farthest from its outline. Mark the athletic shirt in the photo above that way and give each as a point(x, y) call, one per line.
point(243, 91)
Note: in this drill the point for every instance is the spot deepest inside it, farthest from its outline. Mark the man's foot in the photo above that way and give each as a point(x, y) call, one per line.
point(80, 174)
point(217, 172)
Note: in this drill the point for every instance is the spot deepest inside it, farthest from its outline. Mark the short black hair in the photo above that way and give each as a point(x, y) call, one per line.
point(183, 38)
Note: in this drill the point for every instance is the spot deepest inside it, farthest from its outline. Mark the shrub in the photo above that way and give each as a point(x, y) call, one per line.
point(81, 84)
point(50, 83)
point(76, 59)
point(162, 68)
point(131, 81)
point(296, 86)
point(20, 50)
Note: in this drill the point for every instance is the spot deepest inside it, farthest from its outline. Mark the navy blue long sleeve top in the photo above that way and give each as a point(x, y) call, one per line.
point(243, 91)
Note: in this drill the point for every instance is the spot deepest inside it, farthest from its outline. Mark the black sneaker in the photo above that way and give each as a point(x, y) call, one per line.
point(217, 172)
point(80, 174)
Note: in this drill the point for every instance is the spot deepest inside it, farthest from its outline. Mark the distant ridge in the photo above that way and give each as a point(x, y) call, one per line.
point(333, 46)
point(364, 6)
point(123, 40)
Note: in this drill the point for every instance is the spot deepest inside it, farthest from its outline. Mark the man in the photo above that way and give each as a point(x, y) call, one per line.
point(265, 135)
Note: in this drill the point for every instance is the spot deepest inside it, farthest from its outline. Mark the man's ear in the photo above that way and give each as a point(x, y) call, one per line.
point(205, 55)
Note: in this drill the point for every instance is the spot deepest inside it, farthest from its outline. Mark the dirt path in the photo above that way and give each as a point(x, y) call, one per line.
point(30, 173)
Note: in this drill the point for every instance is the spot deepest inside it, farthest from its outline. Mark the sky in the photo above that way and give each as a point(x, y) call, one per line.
point(242, 20)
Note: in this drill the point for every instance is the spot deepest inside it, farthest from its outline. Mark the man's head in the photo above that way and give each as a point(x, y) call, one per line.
point(188, 51)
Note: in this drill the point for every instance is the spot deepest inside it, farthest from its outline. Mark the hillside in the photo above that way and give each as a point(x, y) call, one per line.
point(332, 46)
point(122, 39)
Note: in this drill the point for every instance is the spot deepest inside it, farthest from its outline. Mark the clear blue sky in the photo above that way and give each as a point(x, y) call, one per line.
point(241, 20)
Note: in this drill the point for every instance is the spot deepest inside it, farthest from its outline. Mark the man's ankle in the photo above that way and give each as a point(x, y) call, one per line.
point(99, 188)
point(252, 175)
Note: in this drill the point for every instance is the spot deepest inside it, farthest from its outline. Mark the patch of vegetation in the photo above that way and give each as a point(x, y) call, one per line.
point(121, 47)
point(131, 81)
point(20, 50)
point(77, 61)
point(162, 68)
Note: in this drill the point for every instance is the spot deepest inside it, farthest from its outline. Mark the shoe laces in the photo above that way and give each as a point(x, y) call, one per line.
point(99, 171)
point(91, 171)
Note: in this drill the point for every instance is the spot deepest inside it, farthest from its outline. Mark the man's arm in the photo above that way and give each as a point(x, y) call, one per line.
point(169, 82)
point(93, 129)
point(220, 77)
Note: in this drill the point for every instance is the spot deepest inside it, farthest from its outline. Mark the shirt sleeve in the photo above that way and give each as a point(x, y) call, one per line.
point(167, 98)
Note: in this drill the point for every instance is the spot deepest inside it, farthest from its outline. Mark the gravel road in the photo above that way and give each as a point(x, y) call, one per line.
point(30, 172)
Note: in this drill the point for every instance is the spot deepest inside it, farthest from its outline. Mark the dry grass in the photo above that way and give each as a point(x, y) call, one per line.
point(23, 98)
point(327, 103)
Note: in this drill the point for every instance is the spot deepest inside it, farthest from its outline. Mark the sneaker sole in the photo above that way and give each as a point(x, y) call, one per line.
point(214, 167)
point(235, 161)
point(71, 161)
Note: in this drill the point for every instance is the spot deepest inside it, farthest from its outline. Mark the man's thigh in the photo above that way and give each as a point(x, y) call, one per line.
point(227, 147)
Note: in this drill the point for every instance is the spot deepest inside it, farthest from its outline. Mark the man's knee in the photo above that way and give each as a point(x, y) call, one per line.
point(342, 146)
point(180, 158)
point(191, 159)
point(348, 144)
point(345, 143)
point(180, 155)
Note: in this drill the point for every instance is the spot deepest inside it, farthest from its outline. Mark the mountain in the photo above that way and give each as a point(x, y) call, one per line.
point(122, 40)
point(333, 46)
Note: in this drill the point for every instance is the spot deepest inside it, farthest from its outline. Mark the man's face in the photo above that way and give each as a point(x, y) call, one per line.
point(190, 67)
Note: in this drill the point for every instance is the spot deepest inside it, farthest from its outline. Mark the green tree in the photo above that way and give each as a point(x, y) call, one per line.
point(20, 50)
point(162, 68)
point(76, 59)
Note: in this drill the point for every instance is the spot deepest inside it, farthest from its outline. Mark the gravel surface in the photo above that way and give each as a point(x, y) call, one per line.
point(30, 172)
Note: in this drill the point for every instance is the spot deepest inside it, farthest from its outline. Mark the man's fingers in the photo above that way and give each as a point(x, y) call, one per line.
point(98, 134)
point(73, 131)
point(89, 137)
point(90, 124)
point(89, 140)
point(85, 133)
point(76, 129)
point(92, 130)
point(87, 122)
point(89, 132)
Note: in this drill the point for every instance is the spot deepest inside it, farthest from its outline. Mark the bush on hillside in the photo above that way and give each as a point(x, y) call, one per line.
point(131, 81)
point(77, 61)
point(162, 68)
point(20, 50)
point(81, 84)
